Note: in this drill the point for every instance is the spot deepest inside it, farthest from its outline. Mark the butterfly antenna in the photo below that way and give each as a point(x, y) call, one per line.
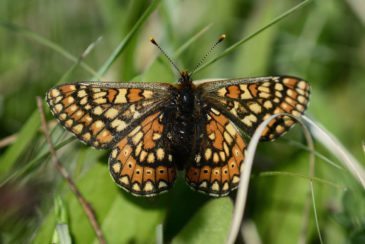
point(221, 38)
point(153, 41)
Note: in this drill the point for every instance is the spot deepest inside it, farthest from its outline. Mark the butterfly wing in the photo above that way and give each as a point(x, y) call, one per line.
point(142, 162)
point(126, 117)
point(248, 102)
point(101, 113)
point(218, 154)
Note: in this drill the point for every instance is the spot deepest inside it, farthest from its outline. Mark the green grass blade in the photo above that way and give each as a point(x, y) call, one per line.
point(43, 41)
point(239, 43)
point(123, 44)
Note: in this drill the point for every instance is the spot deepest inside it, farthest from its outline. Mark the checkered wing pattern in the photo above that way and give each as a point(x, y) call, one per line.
point(142, 162)
point(125, 117)
point(101, 113)
point(248, 102)
point(218, 155)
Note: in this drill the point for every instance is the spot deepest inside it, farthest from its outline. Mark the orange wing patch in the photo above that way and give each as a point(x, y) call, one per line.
point(141, 162)
point(218, 156)
point(254, 100)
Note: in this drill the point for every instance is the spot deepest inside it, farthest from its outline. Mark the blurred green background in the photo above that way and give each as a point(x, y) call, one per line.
point(41, 42)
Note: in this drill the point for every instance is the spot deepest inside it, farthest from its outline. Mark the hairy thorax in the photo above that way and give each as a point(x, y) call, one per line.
point(183, 124)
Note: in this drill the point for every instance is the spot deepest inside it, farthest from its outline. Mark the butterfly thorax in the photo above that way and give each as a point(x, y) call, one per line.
point(182, 131)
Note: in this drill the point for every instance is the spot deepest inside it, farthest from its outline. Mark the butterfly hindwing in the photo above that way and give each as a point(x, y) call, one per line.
point(250, 101)
point(100, 113)
point(142, 162)
point(218, 154)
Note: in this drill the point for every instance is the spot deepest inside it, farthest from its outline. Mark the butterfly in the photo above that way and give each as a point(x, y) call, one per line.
point(155, 129)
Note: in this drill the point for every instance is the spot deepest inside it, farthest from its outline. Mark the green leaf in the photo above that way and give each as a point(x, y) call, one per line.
point(209, 225)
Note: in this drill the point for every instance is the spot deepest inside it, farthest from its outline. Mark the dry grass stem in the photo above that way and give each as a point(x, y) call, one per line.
point(85, 205)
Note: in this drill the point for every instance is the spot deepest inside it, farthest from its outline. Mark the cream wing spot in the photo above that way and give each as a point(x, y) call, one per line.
point(215, 186)
point(208, 153)
point(143, 155)
point(55, 93)
point(98, 110)
point(62, 116)
point(160, 154)
point(148, 186)
point(256, 108)
point(147, 94)
point(211, 136)
point(69, 123)
point(138, 149)
point(156, 136)
point(86, 136)
point(136, 187)
point(215, 158)
point(116, 167)
point(227, 137)
point(70, 100)
point(99, 124)
point(263, 89)
point(77, 128)
point(222, 92)
point(302, 85)
point(151, 158)
point(137, 137)
point(73, 108)
point(58, 108)
point(235, 179)
point(162, 184)
point(302, 99)
point(222, 156)
point(231, 130)
point(118, 124)
point(114, 153)
point(121, 97)
point(99, 94)
point(111, 113)
point(268, 104)
point(124, 180)
point(83, 101)
point(81, 93)
point(279, 86)
point(100, 100)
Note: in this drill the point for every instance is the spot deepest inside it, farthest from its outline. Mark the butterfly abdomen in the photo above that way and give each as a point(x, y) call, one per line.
point(183, 125)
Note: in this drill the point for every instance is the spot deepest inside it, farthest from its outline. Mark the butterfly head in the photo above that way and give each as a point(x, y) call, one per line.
point(185, 78)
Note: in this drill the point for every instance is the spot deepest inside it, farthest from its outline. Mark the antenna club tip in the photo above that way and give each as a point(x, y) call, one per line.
point(222, 37)
point(153, 41)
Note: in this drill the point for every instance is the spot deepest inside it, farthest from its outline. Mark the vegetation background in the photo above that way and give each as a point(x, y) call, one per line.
point(41, 42)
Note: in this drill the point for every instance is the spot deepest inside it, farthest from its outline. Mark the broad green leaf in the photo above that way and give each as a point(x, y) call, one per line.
point(209, 225)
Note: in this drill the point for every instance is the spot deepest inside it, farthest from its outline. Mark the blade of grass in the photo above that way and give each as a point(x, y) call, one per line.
point(337, 149)
point(43, 41)
point(34, 162)
point(319, 155)
point(183, 47)
point(246, 171)
point(89, 212)
point(123, 44)
point(318, 180)
point(237, 44)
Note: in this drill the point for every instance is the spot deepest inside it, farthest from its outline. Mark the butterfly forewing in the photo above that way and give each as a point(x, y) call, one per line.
point(250, 101)
point(100, 114)
point(142, 162)
point(217, 155)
